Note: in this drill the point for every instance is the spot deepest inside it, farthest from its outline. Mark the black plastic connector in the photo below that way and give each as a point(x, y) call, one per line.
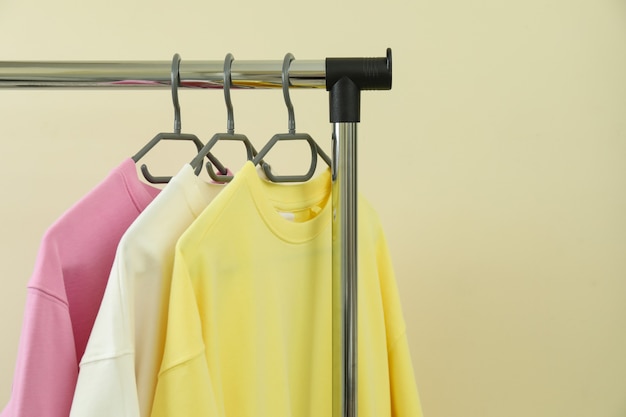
point(347, 77)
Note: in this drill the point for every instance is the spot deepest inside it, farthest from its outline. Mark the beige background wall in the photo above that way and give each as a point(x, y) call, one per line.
point(497, 164)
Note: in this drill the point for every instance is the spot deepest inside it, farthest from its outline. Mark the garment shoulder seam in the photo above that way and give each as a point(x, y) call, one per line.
point(49, 295)
point(181, 361)
point(105, 357)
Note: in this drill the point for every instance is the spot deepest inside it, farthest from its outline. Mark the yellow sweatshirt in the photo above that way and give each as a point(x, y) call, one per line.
point(249, 325)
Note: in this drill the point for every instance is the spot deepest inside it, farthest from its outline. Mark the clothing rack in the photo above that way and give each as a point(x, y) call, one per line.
point(344, 78)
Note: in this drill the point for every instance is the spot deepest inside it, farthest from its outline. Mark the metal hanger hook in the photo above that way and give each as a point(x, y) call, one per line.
point(175, 81)
point(228, 80)
point(285, 82)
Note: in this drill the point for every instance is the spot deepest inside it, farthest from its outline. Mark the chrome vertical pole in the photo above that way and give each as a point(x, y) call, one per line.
point(345, 79)
point(345, 289)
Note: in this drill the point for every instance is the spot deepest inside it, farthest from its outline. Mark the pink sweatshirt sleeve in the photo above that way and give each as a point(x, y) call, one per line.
point(45, 374)
point(46, 369)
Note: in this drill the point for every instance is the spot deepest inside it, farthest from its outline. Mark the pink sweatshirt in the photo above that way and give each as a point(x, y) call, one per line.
point(65, 291)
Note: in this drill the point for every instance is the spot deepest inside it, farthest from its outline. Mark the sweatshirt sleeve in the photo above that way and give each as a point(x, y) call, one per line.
point(46, 367)
point(184, 386)
point(185, 390)
point(404, 396)
point(106, 382)
point(405, 400)
point(106, 388)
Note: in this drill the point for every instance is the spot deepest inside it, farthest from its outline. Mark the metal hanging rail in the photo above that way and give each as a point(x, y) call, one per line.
point(344, 78)
point(156, 74)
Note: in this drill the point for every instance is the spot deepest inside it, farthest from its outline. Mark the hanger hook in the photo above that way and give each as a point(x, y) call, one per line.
point(285, 81)
point(228, 80)
point(175, 80)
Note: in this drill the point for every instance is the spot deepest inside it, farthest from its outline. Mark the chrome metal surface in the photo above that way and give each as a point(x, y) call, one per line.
point(156, 74)
point(344, 280)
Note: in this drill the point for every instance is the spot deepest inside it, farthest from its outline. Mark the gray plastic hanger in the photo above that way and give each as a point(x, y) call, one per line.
point(292, 135)
point(176, 135)
point(230, 133)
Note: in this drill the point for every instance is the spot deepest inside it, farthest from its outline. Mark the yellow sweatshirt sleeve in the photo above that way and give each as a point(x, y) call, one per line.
point(405, 400)
point(185, 390)
point(184, 386)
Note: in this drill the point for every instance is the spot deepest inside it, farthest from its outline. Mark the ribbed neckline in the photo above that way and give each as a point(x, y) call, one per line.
point(309, 202)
